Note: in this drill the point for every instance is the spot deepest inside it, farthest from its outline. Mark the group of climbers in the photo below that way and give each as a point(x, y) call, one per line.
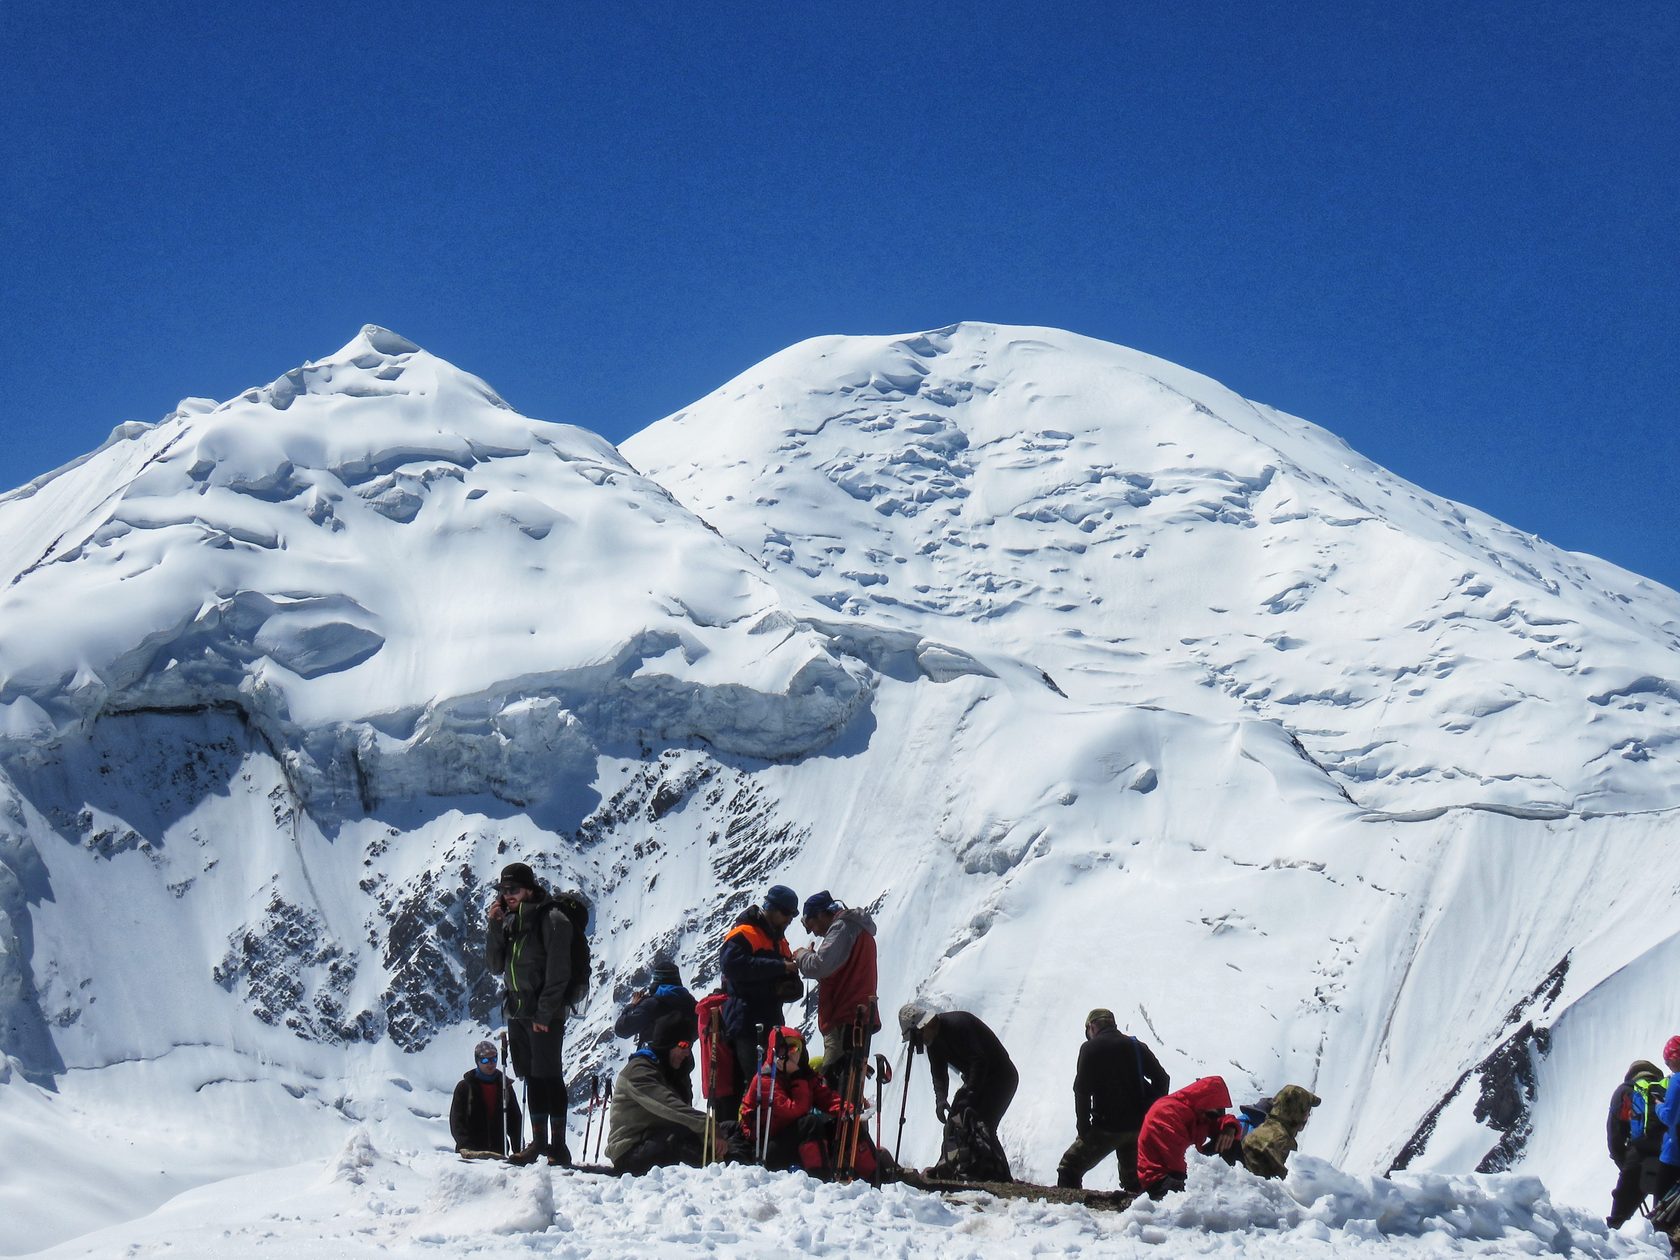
point(768, 1103)
point(1644, 1132)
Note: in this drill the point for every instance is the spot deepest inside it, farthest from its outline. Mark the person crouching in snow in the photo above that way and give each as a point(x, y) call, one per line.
point(654, 1122)
point(1265, 1151)
point(800, 1110)
point(1193, 1116)
point(476, 1112)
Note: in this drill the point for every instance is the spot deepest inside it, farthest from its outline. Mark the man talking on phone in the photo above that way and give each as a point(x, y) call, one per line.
point(530, 944)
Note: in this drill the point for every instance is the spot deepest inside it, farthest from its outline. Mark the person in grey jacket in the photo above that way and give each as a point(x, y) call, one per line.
point(842, 962)
point(653, 1121)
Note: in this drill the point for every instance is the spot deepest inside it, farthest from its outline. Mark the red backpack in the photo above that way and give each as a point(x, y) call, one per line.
point(717, 1060)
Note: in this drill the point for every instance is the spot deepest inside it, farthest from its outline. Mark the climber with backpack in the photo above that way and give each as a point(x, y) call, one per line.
point(1118, 1077)
point(539, 945)
point(1635, 1137)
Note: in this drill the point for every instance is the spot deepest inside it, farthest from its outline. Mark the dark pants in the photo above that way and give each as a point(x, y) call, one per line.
point(990, 1097)
point(673, 1146)
point(536, 1060)
point(1092, 1147)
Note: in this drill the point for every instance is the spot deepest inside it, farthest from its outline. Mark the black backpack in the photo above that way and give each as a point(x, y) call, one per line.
point(577, 910)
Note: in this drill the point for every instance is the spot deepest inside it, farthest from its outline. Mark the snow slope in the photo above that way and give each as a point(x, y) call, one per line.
point(367, 1203)
point(1099, 685)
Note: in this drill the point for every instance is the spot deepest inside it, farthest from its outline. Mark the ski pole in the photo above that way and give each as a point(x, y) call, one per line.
point(857, 1060)
point(883, 1078)
point(766, 1101)
point(602, 1131)
point(708, 1151)
point(904, 1103)
point(594, 1097)
point(506, 1085)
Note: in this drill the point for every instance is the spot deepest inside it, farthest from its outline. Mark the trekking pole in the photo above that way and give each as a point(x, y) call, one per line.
point(883, 1078)
point(904, 1103)
point(507, 1100)
point(708, 1146)
point(857, 1061)
point(594, 1096)
point(601, 1133)
point(765, 1101)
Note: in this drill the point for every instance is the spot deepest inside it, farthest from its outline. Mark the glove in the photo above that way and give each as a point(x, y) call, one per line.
point(941, 1110)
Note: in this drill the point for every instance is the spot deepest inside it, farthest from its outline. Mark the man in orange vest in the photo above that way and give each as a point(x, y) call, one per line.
point(759, 974)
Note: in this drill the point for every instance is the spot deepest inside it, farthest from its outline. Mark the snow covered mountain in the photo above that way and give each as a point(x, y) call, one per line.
point(1099, 684)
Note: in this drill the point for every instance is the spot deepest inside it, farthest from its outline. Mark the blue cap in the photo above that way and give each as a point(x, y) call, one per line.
point(819, 903)
point(781, 897)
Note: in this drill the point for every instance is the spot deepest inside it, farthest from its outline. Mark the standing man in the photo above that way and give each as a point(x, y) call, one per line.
point(530, 943)
point(842, 962)
point(956, 1039)
point(759, 974)
point(1117, 1078)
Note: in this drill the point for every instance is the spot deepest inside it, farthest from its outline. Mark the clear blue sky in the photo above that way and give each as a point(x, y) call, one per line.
point(1448, 232)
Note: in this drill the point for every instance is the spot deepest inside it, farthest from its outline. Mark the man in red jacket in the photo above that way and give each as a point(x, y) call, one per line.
point(842, 962)
point(1193, 1116)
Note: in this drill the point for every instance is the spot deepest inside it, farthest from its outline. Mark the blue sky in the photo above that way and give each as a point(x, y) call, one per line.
point(1449, 233)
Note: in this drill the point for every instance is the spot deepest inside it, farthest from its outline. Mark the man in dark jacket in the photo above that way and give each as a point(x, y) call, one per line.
point(842, 962)
point(664, 999)
point(759, 974)
point(653, 1121)
point(477, 1118)
point(956, 1039)
point(1117, 1078)
point(1635, 1137)
point(530, 944)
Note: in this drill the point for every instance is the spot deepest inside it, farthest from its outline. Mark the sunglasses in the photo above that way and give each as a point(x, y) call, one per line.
point(486, 1058)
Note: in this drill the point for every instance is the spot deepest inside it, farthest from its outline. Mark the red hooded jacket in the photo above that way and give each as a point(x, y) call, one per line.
point(1192, 1116)
point(791, 1097)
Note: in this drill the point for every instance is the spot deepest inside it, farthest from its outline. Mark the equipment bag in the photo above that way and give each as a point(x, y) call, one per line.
point(717, 1060)
point(1665, 1217)
point(971, 1151)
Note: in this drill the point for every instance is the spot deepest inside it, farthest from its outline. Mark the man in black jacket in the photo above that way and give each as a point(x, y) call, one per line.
point(956, 1039)
point(530, 944)
point(663, 1000)
point(1636, 1140)
point(1117, 1078)
point(759, 975)
point(478, 1110)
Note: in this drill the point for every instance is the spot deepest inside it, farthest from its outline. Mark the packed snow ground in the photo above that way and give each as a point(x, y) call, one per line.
point(367, 1203)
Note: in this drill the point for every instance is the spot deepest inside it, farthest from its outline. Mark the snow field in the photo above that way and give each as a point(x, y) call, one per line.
point(365, 1203)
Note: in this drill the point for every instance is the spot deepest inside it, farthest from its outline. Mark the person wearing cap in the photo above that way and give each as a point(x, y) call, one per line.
point(476, 1114)
point(842, 962)
point(1635, 1137)
point(529, 941)
point(653, 1122)
point(759, 974)
point(1116, 1080)
point(663, 998)
point(1668, 1112)
point(956, 1039)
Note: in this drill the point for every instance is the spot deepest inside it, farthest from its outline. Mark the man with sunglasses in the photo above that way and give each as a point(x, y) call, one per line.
point(530, 944)
point(842, 962)
point(476, 1111)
